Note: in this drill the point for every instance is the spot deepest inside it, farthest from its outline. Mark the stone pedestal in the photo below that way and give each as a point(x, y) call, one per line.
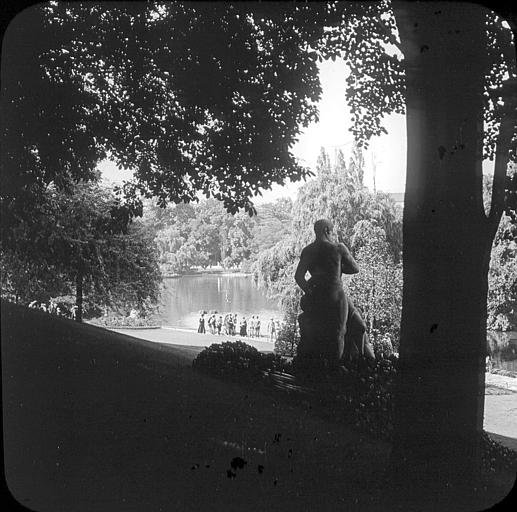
point(321, 337)
point(325, 335)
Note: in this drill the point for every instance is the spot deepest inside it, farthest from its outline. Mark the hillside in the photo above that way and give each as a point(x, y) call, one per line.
point(98, 421)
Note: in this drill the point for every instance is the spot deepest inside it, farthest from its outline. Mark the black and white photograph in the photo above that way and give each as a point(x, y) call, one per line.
point(258, 256)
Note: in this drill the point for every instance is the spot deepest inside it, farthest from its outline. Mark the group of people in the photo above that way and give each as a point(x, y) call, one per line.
point(230, 326)
point(55, 308)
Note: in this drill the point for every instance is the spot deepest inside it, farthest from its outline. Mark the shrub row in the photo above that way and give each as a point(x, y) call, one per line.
point(124, 321)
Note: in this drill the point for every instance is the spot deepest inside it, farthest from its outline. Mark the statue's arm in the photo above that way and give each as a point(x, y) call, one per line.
point(301, 270)
point(348, 264)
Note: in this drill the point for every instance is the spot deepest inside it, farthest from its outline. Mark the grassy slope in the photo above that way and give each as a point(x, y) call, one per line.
point(98, 421)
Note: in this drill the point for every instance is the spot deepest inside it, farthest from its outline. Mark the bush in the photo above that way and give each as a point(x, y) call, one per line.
point(496, 456)
point(124, 321)
point(382, 344)
point(287, 339)
point(235, 360)
point(288, 336)
point(145, 314)
point(371, 395)
point(362, 389)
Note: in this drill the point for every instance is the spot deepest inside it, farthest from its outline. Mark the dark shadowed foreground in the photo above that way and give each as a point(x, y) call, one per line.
point(97, 421)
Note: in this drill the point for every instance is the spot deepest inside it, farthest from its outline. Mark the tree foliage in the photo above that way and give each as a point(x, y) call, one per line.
point(502, 279)
point(368, 223)
point(194, 97)
point(377, 288)
point(143, 87)
point(502, 275)
point(81, 244)
point(341, 196)
point(273, 224)
point(366, 36)
point(205, 234)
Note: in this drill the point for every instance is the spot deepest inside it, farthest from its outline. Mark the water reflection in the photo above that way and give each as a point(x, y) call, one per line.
point(184, 297)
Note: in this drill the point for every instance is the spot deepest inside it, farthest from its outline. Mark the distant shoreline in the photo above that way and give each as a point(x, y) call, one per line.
point(212, 270)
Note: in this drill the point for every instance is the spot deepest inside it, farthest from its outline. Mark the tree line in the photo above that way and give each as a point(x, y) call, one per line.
point(82, 249)
point(204, 234)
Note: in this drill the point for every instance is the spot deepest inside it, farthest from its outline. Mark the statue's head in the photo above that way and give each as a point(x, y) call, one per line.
point(322, 227)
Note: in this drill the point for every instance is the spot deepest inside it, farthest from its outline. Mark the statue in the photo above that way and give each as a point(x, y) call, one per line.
point(331, 328)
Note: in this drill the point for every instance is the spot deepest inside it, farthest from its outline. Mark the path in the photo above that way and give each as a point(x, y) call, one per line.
point(500, 419)
point(176, 336)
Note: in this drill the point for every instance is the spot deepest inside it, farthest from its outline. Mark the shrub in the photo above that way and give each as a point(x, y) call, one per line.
point(371, 396)
point(235, 360)
point(288, 337)
point(114, 321)
point(361, 389)
point(382, 344)
point(496, 456)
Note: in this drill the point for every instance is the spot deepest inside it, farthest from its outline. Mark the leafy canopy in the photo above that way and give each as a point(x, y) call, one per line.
point(197, 96)
point(338, 194)
point(193, 96)
point(81, 232)
point(206, 234)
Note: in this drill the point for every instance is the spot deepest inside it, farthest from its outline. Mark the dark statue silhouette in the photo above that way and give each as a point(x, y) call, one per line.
point(331, 328)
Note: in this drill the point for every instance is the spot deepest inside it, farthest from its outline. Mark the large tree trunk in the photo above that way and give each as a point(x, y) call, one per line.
point(447, 243)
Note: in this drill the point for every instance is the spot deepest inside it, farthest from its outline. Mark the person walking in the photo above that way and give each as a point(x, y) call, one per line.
point(234, 327)
point(277, 328)
point(219, 324)
point(201, 328)
point(257, 327)
point(251, 327)
point(271, 328)
point(243, 327)
point(211, 324)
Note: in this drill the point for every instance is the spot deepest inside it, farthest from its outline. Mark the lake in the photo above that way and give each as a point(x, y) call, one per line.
point(184, 297)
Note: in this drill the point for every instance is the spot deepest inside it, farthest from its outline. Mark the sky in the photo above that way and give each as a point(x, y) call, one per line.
point(387, 152)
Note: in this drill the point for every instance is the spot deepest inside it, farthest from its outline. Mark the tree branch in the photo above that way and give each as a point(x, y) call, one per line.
point(391, 37)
